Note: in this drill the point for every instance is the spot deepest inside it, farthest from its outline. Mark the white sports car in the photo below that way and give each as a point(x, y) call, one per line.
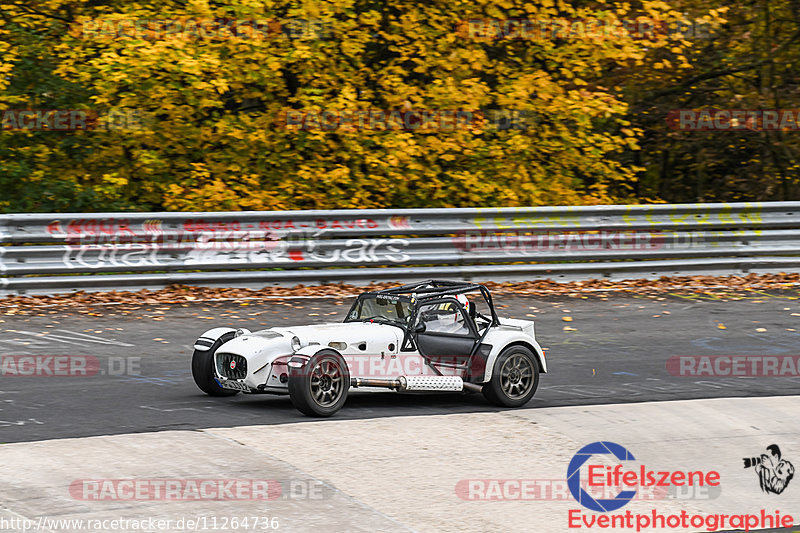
point(425, 336)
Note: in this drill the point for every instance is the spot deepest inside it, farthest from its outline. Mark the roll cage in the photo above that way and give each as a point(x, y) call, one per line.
point(430, 291)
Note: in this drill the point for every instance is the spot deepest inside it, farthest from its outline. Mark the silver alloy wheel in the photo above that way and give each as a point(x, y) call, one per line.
point(516, 376)
point(326, 382)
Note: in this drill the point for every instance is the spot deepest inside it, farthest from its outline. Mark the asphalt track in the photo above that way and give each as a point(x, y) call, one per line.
point(614, 351)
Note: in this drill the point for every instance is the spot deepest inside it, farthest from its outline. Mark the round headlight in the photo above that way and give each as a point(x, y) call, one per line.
point(295, 343)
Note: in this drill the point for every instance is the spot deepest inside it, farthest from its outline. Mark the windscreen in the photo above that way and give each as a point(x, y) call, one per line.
point(380, 308)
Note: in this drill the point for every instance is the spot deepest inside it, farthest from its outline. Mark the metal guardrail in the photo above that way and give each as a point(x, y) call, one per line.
point(41, 253)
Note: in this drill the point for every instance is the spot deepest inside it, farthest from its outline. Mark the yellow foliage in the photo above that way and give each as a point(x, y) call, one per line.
point(218, 137)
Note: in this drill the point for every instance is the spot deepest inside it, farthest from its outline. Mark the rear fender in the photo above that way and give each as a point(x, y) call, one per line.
point(529, 343)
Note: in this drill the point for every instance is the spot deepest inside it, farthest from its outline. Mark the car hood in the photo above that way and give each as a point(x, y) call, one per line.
point(349, 337)
point(252, 345)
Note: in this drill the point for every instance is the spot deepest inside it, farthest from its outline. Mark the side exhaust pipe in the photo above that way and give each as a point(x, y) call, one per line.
point(383, 383)
point(473, 387)
point(418, 383)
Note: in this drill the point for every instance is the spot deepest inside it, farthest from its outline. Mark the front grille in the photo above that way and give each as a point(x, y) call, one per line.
point(224, 361)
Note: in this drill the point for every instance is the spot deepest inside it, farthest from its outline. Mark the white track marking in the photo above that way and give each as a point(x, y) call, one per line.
point(71, 337)
point(92, 338)
point(5, 423)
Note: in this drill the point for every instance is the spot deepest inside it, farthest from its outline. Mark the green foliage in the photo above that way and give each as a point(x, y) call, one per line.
point(750, 62)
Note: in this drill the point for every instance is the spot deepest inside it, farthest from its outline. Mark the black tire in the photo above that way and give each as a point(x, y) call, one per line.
point(203, 369)
point(320, 388)
point(515, 377)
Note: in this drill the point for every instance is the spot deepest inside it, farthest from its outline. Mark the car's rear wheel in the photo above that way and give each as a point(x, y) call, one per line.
point(320, 387)
point(203, 369)
point(515, 377)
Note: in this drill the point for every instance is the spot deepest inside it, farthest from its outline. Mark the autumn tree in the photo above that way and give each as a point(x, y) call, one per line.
point(212, 105)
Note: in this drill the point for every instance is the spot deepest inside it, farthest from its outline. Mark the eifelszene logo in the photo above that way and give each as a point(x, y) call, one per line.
point(627, 482)
point(774, 473)
point(574, 476)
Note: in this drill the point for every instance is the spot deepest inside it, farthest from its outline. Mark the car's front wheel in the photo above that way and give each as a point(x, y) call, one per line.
point(320, 387)
point(515, 376)
point(203, 369)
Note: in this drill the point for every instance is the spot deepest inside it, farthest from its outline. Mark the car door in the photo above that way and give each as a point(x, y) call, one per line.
point(444, 332)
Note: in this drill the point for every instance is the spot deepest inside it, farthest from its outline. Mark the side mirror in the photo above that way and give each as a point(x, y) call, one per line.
point(420, 327)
